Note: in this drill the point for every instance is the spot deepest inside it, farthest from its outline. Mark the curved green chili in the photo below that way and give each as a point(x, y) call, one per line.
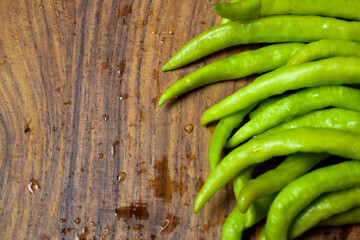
point(242, 179)
point(331, 71)
point(322, 208)
point(258, 210)
point(346, 9)
point(226, 20)
point(235, 222)
point(340, 143)
point(234, 225)
point(238, 66)
point(349, 217)
point(264, 104)
point(296, 104)
point(325, 48)
point(335, 118)
point(263, 30)
point(274, 180)
point(222, 132)
point(302, 191)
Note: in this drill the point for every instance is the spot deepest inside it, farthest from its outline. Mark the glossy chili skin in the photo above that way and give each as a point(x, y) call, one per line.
point(222, 132)
point(242, 179)
point(235, 222)
point(264, 104)
point(345, 9)
point(258, 210)
point(240, 10)
point(272, 29)
point(349, 217)
point(324, 207)
point(334, 118)
point(234, 225)
point(301, 192)
point(238, 66)
point(274, 180)
point(335, 142)
point(297, 104)
point(226, 20)
point(331, 71)
point(325, 48)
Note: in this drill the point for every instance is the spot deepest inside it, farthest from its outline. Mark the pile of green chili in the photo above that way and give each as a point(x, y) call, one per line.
point(304, 108)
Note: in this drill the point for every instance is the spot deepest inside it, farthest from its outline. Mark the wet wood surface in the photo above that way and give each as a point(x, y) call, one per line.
point(85, 153)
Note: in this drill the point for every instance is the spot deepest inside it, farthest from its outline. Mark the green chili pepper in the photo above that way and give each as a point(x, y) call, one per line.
point(349, 217)
point(235, 222)
point(336, 118)
point(241, 10)
point(238, 66)
point(264, 104)
point(258, 210)
point(302, 191)
point(222, 132)
point(325, 48)
point(234, 225)
point(296, 104)
point(346, 9)
point(263, 30)
point(226, 20)
point(242, 179)
point(238, 221)
point(274, 180)
point(340, 143)
point(324, 207)
point(331, 71)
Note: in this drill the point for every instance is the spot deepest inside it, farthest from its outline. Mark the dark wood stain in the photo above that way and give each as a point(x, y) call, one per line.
point(106, 117)
point(135, 211)
point(104, 65)
point(199, 184)
point(113, 147)
point(124, 10)
point(138, 228)
point(170, 224)
point(65, 231)
point(190, 157)
point(141, 171)
point(124, 96)
point(79, 85)
point(163, 185)
point(84, 233)
point(121, 68)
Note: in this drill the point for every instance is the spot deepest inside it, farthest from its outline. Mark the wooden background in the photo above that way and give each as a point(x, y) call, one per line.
point(85, 153)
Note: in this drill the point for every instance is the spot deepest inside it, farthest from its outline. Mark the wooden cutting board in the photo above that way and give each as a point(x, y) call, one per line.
point(85, 153)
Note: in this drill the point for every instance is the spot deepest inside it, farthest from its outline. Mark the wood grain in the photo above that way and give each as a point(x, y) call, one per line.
point(85, 152)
